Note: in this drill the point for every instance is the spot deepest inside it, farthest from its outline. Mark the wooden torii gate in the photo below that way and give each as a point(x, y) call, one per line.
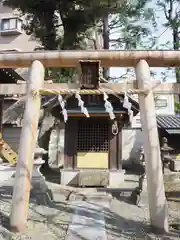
point(141, 60)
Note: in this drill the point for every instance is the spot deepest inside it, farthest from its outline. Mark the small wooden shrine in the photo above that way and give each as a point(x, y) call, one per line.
point(93, 140)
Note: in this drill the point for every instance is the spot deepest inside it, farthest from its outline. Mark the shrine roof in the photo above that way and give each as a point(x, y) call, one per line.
point(72, 105)
point(94, 110)
point(168, 121)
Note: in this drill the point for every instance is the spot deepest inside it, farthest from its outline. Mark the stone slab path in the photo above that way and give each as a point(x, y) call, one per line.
point(88, 221)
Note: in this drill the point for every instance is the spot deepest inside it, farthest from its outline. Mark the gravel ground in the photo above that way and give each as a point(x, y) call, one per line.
point(126, 221)
point(123, 220)
point(44, 222)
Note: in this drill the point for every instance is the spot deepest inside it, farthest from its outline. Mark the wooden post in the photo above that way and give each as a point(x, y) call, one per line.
point(1, 112)
point(1, 122)
point(155, 184)
point(22, 185)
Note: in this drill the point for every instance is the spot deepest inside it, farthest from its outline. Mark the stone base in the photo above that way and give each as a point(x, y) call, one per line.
point(171, 176)
point(116, 178)
point(39, 188)
point(176, 165)
point(69, 177)
point(94, 178)
point(91, 178)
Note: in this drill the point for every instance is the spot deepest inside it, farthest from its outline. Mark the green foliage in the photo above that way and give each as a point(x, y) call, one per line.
point(63, 24)
point(133, 23)
point(171, 9)
point(77, 17)
point(177, 106)
point(40, 19)
point(62, 75)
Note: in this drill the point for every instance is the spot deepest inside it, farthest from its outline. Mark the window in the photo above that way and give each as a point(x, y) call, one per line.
point(11, 25)
point(8, 24)
point(93, 135)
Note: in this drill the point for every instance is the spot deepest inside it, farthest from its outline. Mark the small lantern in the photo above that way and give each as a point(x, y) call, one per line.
point(165, 155)
point(37, 177)
point(40, 188)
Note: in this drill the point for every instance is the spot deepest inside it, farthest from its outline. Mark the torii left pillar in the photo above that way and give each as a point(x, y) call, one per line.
point(22, 185)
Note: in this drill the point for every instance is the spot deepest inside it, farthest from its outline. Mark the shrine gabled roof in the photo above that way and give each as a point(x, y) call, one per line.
point(168, 121)
point(52, 102)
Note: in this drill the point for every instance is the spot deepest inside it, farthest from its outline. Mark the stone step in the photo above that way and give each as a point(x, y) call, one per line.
point(85, 196)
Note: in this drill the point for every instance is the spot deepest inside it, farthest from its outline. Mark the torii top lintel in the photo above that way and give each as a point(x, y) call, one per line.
point(107, 58)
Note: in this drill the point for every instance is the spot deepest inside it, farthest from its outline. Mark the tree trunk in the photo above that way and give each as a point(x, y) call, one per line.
point(49, 34)
point(176, 45)
point(106, 43)
point(1, 114)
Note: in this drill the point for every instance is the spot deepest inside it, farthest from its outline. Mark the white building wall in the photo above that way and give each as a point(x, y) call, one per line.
point(133, 138)
point(19, 42)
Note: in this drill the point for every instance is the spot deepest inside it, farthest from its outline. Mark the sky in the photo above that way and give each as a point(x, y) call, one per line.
point(163, 35)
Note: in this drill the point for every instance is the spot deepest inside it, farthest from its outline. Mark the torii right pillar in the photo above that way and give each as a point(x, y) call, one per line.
point(155, 183)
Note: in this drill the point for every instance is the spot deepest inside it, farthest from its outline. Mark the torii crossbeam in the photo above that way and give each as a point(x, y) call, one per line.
point(107, 58)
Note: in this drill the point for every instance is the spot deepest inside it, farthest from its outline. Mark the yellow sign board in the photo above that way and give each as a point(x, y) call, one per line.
point(92, 160)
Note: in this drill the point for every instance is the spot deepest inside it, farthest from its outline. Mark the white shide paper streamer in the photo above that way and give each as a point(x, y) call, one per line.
point(81, 105)
point(128, 105)
point(62, 104)
point(108, 107)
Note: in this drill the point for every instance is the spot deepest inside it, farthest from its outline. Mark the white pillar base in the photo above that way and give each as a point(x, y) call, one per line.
point(116, 178)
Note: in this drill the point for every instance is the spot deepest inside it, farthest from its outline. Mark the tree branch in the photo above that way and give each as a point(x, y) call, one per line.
point(166, 12)
point(170, 11)
point(118, 40)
